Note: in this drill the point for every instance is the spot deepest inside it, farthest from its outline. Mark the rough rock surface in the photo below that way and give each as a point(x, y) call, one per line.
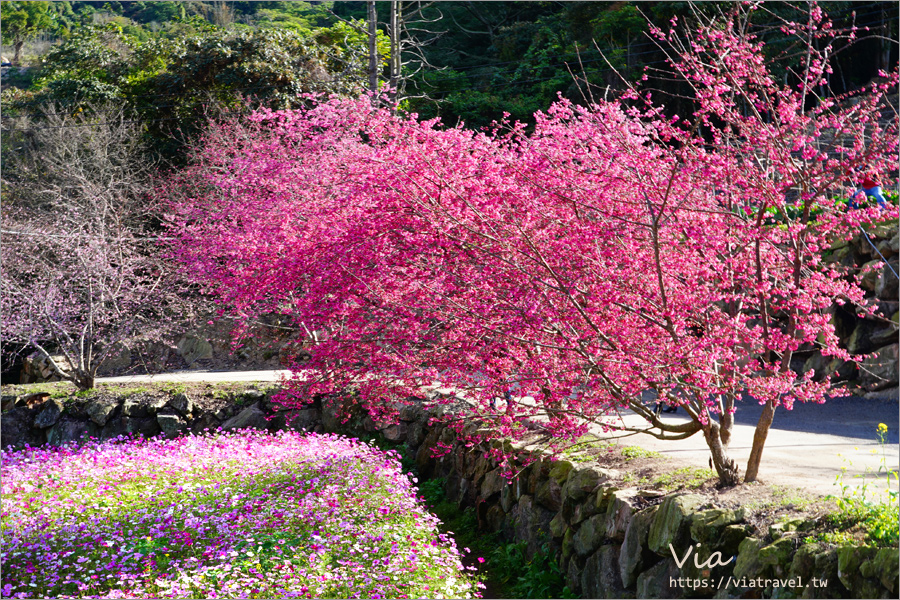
point(252, 416)
point(49, 414)
point(171, 422)
point(101, 409)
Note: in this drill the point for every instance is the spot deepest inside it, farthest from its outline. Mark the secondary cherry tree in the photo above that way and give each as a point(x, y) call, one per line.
point(80, 279)
point(554, 275)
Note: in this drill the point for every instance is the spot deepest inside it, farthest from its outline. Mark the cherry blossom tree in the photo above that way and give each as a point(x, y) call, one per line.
point(80, 279)
point(69, 293)
point(556, 275)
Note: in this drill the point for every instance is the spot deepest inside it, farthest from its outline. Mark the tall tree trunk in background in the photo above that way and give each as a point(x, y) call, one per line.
point(887, 26)
point(628, 61)
point(373, 47)
point(396, 62)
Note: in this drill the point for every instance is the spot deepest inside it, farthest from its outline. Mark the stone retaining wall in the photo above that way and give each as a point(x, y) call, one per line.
point(874, 338)
point(612, 542)
point(615, 542)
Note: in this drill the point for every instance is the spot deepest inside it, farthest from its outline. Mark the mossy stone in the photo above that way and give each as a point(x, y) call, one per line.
point(589, 535)
point(560, 471)
point(580, 484)
point(707, 525)
point(777, 530)
point(672, 523)
point(567, 550)
point(748, 563)
point(803, 564)
point(620, 512)
point(777, 555)
point(603, 497)
point(558, 526)
point(850, 559)
point(635, 555)
point(656, 581)
point(883, 567)
point(549, 494)
point(839, 254)
point(731, 538)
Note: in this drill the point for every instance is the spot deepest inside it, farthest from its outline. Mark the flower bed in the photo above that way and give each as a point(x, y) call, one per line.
point(237, 515)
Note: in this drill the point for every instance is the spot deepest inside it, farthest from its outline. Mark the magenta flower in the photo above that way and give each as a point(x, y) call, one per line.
point(224, 515)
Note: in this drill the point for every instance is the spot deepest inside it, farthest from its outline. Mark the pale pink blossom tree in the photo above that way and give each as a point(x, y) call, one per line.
point(67, 292)
point(81, 276)
point(552, 275)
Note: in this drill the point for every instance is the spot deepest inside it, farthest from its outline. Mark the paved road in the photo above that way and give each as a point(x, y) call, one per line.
point(807, 447)
point(200, 376)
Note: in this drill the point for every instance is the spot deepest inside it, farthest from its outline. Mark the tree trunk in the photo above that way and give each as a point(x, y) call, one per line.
point(726, 421)
point(396, 8)
point(373, 47)
point(628, 53)
point(83, 380)
point(17, 51)
point(759, 440)
point(886, 42)
point(726, 469)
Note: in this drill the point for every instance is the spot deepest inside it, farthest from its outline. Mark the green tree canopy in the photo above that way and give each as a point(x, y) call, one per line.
point(20, 21)
point(173, 85)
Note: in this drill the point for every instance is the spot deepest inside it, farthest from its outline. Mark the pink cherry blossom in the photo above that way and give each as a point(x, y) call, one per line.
point(551, 276)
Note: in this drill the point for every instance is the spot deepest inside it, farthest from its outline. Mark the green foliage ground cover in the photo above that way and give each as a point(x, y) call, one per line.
point(505, 567)
point(869, 511)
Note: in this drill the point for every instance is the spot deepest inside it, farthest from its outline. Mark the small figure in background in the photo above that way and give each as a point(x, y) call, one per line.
point(666, 408)
point(871, 188)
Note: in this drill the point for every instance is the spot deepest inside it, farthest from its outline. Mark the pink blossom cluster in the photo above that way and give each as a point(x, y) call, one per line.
point(236, 515)
point(576, 263)
point(555, 272)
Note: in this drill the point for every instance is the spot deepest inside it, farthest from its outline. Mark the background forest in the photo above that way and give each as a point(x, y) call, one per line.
point(472, 61)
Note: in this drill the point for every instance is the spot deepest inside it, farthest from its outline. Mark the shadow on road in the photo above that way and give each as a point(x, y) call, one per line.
point(851, 417)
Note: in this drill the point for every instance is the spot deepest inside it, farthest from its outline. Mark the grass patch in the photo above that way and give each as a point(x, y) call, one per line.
point(127, 392)
point(686, 477)
point(585, 449)
point(633, 478)
point(173, 388)
point(790, 497)
point(227, 395)
point(632, 452)
point(783, 496)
